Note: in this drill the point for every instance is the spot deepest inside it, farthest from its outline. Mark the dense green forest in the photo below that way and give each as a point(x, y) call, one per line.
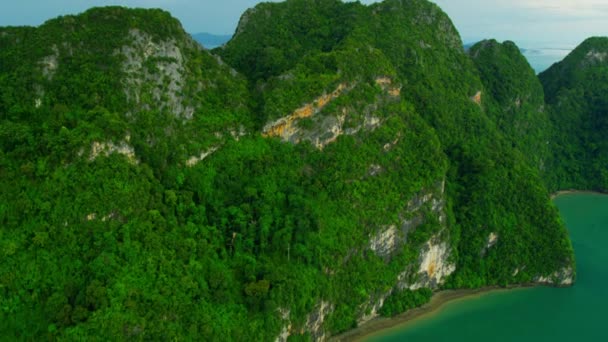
point(333, 162)
point(576, 90)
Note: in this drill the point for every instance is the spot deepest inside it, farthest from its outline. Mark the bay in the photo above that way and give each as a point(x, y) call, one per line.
point(577, 313)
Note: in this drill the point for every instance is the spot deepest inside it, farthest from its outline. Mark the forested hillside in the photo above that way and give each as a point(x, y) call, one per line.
point(331, 163)
point(576, 90)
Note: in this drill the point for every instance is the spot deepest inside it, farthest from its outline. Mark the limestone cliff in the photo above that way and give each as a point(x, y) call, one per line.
point(328, 162)
point(434, 263)
point(324, 127)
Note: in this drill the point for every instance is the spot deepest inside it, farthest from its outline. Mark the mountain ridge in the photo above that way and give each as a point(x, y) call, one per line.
point(290, 186)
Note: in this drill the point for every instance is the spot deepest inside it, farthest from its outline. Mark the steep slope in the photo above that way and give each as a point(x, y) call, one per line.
point(516, 100)
point(135, 207)
point(576, 93)
point(102, 66)
point(505, 228)
point(272, 37)
point(494, 190)
point(101, 115)
point(360, 164)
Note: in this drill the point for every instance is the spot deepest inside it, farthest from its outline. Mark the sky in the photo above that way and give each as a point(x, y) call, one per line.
point(530, 23)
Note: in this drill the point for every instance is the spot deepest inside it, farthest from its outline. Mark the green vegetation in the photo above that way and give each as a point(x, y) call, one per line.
point(516, 99)
point(576, 94)
point(404, 300)
point(141, 201)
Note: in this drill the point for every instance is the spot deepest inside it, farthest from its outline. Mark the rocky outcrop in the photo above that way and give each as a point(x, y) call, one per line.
point(107, 148)
point(563, 277)
point(387, 85)
point(430, 270)
point(314, 322)
point(313, 325)
point(490, 242)
point(286, 331)
point(477, 98)
point(192, 161)
point(155, 69)
point(50, 63)
point(390, 239)
point(286, 127)
point(435, 265)
point(371, 309)
point(325, 129)
point(385, 242)
point(594, 56)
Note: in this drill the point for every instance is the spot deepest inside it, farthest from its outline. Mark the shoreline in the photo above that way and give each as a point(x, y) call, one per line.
point(573, 191)
point(382, 325)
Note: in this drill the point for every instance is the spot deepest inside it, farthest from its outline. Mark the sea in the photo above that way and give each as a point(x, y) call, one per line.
point(541, 58)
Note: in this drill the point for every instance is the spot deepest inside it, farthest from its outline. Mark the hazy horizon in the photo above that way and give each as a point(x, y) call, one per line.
point(538, 24)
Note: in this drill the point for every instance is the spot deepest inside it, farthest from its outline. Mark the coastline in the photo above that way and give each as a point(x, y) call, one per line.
point(573, 191)
point(381, 325)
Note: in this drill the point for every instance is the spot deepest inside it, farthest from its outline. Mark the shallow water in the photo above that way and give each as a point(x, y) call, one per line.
point(579, 313)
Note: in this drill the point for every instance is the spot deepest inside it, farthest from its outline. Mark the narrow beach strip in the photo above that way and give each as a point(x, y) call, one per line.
point(382, 325)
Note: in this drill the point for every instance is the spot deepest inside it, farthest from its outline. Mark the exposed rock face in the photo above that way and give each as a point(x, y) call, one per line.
point(385, 242)
point(430, 270)
point(477, 97)
point(313, 325)
point(596, 56)
point(286, 331)
point(314, 322)
point(390, 239)
point(192, 161)
point(155, 69)
point(107, 148)
point(245, 20)
point(372, 308)
point(50, 64)
point(387, 85)
point(286, 127)
point(434, 265)
point(563, 277)
point(93, 216)
point(492, 239)
point(490, 242)
point(326, 128)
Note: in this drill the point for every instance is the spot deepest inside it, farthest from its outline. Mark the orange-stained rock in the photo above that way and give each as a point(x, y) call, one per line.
point(394, 92)
point(477, 98)
point(386, 84)
point(284, 127)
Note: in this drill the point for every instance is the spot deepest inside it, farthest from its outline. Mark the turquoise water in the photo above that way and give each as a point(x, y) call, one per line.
point(579, 313)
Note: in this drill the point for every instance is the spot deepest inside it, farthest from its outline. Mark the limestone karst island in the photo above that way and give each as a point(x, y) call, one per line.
point(332, 166)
